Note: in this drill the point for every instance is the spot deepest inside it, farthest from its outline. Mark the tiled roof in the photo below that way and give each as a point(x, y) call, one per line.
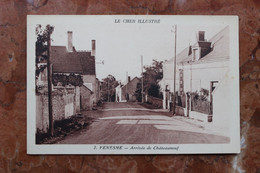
point(220, 45)
point(133, 80)
point(72, 62)
point(220, 51)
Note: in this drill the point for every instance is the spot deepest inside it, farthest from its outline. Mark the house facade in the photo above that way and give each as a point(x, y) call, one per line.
point(126, 92)
point(119, 93)
point(67, 60)
point(201, 78)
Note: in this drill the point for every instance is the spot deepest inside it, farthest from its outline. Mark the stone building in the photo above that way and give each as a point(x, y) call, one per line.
point(127, 92)
point(67, 60)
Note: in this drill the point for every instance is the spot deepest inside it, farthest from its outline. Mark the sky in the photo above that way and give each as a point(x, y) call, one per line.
point(121, 45)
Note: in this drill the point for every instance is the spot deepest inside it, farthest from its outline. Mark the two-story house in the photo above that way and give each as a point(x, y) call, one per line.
point(201, 69)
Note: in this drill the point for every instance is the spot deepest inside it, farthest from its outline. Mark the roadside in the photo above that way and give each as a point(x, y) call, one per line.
point(208, 127)
point(67, 127)
point(136, 117)
point(148, 106)
point(131, 123)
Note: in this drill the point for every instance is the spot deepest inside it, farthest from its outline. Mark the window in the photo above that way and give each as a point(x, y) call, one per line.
point(194, 54)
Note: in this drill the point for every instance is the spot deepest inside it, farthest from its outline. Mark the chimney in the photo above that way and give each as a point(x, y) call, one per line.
point(129, 79)
point(70, 46)
point(201, 36)
point(203, 47)
point(93, 51)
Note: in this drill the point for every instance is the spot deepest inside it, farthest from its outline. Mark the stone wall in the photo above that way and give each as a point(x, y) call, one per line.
point(77, 100)
point(42, 118)
point(64, 105)
point(58, 106)
point(86, 98)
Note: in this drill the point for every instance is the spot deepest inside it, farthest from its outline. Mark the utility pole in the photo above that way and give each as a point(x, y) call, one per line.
point(126, 86)
point(174, 72)
point(142, 79)
point(49, 76)
point(108, 90)
point(99, 85)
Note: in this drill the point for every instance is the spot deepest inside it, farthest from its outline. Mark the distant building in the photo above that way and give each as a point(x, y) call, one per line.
point(127, 92)
point(119, 93)
point(67, 60)
point(201, 69)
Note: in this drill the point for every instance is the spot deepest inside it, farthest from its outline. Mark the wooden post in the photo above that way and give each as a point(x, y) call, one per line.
point(126, 86)
point(107, 89)
point(142, 92)
point(174, 72)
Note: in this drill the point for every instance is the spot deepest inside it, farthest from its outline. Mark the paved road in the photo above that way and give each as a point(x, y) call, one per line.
point(131, 123)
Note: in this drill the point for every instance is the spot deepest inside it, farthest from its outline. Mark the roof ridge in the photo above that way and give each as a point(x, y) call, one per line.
point(210, 40)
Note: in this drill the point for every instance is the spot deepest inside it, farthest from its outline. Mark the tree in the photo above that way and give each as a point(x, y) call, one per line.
point(152, 75)
point(63, 79)
point(41, 46)
point(108, 88)
point(42, 51)
point(138, 92)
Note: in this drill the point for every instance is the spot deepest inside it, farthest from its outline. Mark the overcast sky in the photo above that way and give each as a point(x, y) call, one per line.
point(121, 45)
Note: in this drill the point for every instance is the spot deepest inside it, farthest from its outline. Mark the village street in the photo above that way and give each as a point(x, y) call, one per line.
point(131, 123)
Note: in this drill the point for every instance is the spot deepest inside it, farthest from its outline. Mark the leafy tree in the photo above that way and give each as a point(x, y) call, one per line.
point(138, 92)
point(151, 76)
point(108, 91)
point(41, 46)
point(72, 79)
point(153, 73)
point(154, 90)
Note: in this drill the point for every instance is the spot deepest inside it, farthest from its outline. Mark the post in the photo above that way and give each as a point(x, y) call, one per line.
point(142, 92)
point(174, 72)
point(126, 86)
point(49, 76)
point(108, 90)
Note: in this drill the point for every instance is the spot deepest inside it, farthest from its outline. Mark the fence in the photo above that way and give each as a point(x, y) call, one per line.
point(200, 105)
point(181, 100)
point(156, 102)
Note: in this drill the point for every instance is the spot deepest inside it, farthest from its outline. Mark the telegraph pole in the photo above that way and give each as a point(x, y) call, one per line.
point(142, 79)
point(174, 72)
point(49, 76)
point(107, 89)
point(126, 86)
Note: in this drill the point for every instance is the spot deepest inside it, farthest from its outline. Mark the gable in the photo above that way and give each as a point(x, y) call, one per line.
point(132, 83)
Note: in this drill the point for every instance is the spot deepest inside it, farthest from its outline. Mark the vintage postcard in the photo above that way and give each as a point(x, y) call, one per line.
point(132, 84)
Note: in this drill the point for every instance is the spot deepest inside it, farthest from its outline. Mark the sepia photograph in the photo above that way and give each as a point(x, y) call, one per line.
point(132, 84)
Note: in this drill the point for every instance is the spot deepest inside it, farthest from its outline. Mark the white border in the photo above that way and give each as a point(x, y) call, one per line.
point(232, 147)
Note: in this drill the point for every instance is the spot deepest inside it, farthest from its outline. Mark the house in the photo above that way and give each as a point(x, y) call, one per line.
point(119, 93)
point(67, 60)
point(127, 92)
point(201, 74)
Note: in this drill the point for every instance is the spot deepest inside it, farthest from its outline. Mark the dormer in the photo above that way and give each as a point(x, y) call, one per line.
point(201, 48)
